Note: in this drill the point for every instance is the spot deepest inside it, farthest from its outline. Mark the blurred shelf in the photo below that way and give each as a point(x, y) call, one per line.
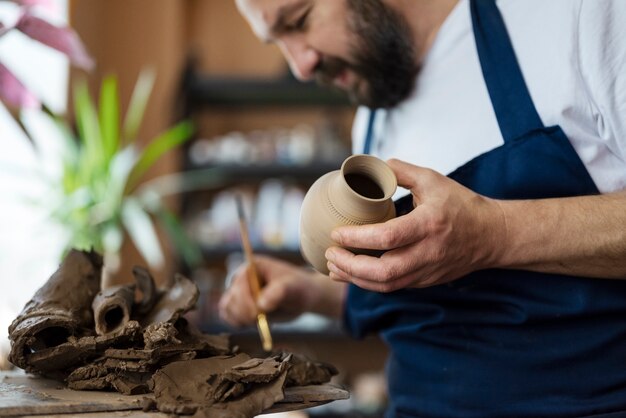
point(218, 253)
point(254, 172)
point(227, 92)
point(226, 174)
point(205, 178)
point(280, 331)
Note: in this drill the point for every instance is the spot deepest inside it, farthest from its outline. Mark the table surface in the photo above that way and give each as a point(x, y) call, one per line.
point(33, 396)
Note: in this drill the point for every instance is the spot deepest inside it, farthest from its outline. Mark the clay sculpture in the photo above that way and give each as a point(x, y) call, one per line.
point(138, 347)
point(112, 308)
point(57, 334)
point(59, 310)
point(359, 193)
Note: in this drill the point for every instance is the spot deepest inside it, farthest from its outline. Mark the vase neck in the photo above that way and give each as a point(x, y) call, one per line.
point(358, 200)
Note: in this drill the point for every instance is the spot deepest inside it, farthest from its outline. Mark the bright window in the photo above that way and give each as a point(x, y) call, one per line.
point(30, 245)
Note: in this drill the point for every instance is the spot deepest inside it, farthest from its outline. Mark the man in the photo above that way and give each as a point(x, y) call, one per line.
point(494, 292)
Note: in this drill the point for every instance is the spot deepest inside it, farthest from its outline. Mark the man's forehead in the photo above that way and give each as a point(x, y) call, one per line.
point(262, 15)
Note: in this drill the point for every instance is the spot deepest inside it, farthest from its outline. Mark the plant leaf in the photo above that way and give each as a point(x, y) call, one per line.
point(109, 116)
point(14, 92)
point(159, 146)
point(63, 39)
point(3, 29)
point(137, 105)
point(111, 195)
point(71, 153)
point(121, 166)
point(89, 131)
point(182, 182)
point(188, 249)
point(112, 238)
point(141, 230)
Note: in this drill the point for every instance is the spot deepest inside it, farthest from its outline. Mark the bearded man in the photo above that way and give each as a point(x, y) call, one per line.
point(501, 291)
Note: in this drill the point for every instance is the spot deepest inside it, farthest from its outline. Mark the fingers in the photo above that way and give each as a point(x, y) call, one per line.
point(412, 177)
point(395, 233)
point(400, 231)
point(272, 296)
point(428, 246)
point(404, 173)
point(394, 270)
point(236, 306)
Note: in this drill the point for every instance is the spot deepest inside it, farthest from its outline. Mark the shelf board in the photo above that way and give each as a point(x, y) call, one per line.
point(228, 92)
point(250, 172)
point(328, 332)
point(213, 254)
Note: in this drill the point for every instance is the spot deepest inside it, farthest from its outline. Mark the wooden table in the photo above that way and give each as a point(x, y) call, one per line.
point(32, 396)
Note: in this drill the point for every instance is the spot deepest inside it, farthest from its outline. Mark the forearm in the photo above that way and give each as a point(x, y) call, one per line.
point(329, 296)
point(580, 236)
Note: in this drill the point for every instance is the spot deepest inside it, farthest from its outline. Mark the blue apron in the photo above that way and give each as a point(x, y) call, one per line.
point(505, 343)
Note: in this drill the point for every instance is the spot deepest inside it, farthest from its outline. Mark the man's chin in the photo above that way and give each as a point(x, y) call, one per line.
point(364, 97)
point(382, 98)
point(353, 95)
point(359, 98)
point(359, 95)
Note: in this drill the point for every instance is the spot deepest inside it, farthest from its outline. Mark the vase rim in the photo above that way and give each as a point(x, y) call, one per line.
point(383, 174)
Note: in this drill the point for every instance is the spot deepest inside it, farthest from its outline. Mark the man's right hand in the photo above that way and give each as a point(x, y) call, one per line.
point(287, 289)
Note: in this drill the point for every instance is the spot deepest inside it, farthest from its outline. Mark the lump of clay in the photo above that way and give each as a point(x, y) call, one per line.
point(112, 308)
point(232, 386)
point(303, 371)
point(56, 334)
point(138, 347)
point(147, 287)
point(60, 360)
point(115, 306)
point(181, 297)
point(159, 335)
point(58, 310)
point(222, 386)
point(97, 376)
point(126, 366)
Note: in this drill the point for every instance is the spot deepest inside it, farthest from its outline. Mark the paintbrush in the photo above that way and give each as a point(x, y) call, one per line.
point(253, 278)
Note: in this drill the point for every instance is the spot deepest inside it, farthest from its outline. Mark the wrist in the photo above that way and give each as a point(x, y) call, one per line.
point(497, 237)
point(326, 296)
point(525, 226)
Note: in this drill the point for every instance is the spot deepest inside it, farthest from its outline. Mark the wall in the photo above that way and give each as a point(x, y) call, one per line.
point(125, 36)
point(225, 43)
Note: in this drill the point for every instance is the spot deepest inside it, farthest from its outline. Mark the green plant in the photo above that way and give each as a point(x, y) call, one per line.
point(96, 198)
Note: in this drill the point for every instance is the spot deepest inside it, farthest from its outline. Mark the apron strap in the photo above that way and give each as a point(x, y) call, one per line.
point(369, 135)
point(511, 101)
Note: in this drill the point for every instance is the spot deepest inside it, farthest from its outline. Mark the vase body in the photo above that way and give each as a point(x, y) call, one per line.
point(359, 193)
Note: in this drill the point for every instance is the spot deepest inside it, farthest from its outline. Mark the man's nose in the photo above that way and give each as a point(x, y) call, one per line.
point(301, 57)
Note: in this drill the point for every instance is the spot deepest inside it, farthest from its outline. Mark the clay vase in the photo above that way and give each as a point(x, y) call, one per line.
point(357, 194)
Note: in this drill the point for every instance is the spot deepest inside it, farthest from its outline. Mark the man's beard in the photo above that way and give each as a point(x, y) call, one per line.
point(383, 58)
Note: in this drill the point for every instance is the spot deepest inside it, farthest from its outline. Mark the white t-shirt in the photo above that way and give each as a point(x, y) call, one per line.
point(573, 57)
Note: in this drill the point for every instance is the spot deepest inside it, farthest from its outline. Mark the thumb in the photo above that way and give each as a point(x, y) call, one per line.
point(272, 296)
point(408, 175)
point(265, 268)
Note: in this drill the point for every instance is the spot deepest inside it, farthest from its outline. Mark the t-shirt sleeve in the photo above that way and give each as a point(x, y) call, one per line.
point(602, 61)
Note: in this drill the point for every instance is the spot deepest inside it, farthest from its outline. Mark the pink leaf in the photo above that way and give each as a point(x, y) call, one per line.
point(3, 29)
point(14, 92)
point(61, 39)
